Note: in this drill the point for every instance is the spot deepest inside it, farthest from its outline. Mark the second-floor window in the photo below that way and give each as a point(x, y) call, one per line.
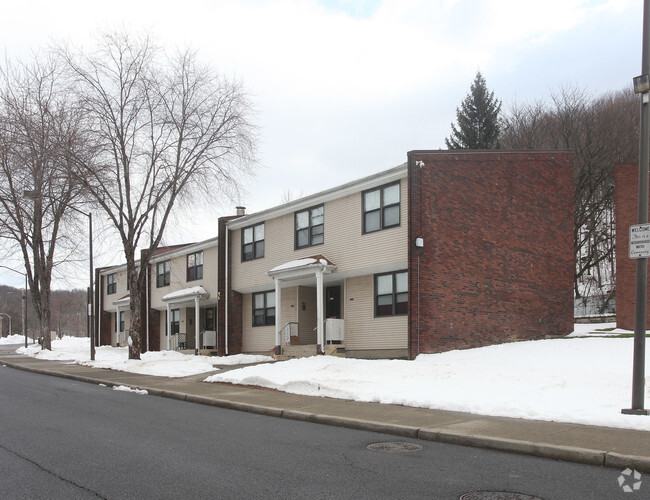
point(264, 308)
point(309, 227)
point(381, 208)
point(111, 284)
point(252, 242)
point(195, 266)
point(163, 270)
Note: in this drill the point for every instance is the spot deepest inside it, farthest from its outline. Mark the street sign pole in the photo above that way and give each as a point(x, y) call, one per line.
point(638, 369)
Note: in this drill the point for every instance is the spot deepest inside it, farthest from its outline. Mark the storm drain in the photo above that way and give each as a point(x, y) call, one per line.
point(394, 447)
point(497, 495)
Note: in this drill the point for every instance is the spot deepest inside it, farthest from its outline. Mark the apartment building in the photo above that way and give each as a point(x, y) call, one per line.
point(452, 249)
point(179, 300)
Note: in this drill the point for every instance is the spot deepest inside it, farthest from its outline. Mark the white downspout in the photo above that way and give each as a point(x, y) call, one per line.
point(196, 325)
point(99, 313)
point(225, 291)
point(147, 304)
point(319, 309)
point(278, 319)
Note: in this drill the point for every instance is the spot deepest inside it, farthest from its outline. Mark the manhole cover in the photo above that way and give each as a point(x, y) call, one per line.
point(497, 495)
point(394, 447)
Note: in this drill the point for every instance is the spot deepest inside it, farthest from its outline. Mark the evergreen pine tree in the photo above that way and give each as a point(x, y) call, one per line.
point(477, 119)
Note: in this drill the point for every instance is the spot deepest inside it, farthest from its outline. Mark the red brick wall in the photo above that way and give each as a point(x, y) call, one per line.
point(154, 329)
point(497, 263)
point(234, 298)
point(626, 202)
point(102, 318)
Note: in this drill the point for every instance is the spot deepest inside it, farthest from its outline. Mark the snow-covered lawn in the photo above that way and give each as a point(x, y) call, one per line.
point(157, 363)
point(581, 380)
point(584, 378)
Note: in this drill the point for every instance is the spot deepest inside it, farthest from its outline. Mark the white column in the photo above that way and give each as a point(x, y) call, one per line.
point(278, 319)
point(117, 327)
point(169, 325)
point(196, 324)
point(319, 309)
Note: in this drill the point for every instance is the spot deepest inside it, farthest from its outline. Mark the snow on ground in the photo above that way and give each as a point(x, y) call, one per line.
point(581, 380)
point(13, 339)
point(157, 363)
point(124, 388)
point(584, 378)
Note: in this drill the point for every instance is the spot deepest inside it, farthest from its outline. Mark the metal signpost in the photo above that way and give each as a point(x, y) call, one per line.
point(640, 232)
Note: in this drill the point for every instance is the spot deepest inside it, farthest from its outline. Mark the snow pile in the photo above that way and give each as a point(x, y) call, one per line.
point(156, 363)
point(125, 388)
point(241, 359)
point(581, 380)
point(13, 339)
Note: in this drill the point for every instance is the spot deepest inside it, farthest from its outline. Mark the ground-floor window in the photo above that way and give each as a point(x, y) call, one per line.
point(264, 308)
point(391, 293)
point(209, 319)
point(120, 327)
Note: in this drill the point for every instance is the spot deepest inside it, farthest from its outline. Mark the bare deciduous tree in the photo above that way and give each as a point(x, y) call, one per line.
point(601, 132)
point(164, 129)
point(38, 136)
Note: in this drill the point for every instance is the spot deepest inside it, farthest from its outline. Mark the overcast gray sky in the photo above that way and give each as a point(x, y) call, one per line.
point(344, 88)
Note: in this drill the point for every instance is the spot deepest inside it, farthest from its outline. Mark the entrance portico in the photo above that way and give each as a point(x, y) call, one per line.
point(309, 267)
point(186, 297)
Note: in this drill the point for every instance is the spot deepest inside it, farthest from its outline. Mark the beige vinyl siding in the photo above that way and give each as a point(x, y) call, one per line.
point(288, 306)
point(120, 290)
point(178, 276)
point(255, 339)
point(362, 330)
point(344, 243)
point(308, 318)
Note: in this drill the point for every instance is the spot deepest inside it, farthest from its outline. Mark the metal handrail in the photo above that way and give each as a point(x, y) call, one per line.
point(288, 328)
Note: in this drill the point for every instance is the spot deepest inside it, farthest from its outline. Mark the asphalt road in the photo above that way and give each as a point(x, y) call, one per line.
point(66, 439)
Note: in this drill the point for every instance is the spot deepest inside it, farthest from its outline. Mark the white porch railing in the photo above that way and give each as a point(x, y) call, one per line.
point(334, 330)
point(123, 338)
point(178, 342)
point(208, 339)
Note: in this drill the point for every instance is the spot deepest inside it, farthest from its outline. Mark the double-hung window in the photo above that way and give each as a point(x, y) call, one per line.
point(252, 242)
point(264, 308)
point(381, 208)
point(195, 266)
point(163, 270)
point(391, 294)
point(111, 284)
point(309, 227)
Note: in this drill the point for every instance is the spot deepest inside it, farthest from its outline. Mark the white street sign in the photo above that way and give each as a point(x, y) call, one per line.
point(640, 241)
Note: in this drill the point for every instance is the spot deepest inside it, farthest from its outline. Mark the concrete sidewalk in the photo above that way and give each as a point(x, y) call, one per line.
point(616, 448)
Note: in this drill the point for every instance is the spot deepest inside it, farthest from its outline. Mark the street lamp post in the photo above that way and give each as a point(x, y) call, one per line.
point(33, 195)
point(5, 314)
point(24, 302)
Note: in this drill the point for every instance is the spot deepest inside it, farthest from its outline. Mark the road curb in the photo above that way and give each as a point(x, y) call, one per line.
point(556, 452)
point(618, 461)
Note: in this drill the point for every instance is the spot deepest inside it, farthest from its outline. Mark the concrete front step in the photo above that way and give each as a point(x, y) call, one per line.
point(304, 351)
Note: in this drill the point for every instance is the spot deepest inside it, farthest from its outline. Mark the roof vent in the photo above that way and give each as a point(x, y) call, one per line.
point(241, 211)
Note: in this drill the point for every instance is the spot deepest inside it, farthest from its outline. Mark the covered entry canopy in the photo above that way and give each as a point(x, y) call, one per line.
point(317, 266)
point(187, 296)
